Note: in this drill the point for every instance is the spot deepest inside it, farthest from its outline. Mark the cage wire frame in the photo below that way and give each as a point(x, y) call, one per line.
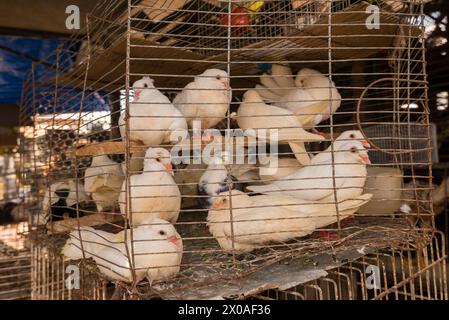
point(15, 263)
point(173, 41)
point(15, 260)
point(410, 272)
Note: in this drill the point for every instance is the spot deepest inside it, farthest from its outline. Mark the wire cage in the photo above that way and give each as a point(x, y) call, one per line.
point(15, 263)
point(408, 273)
point(187, 144)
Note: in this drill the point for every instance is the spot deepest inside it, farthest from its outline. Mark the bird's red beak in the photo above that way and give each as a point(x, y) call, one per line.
point(226, 85)
point(137, 94)
point(169, 168)
point(175, 240)
point(365, 159)
point(365, 143)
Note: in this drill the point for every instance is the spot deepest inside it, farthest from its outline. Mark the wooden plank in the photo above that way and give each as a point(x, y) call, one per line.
point(92, 220)
point(108, 147)
point(163, 32)
point(116, 147)
point(160, 9)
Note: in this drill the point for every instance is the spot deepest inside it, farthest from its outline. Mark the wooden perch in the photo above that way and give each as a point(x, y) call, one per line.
point(95, 219)
point(116, 147)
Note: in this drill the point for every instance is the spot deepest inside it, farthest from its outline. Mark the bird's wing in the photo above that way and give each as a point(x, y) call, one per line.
point(266, 94)
point(270, 188)
point(308, 114)
point(271, 85)
point(283, 75)
point(356, 202)
point(261, 225)
point(184, 99)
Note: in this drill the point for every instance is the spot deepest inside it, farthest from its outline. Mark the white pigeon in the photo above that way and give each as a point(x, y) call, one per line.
point(286, 166)
point(315, 182)
point(93, 241)
point(253, 113)
point(156, 245)
point(259, 220)
point(154, 192)
point(313, 98)
point(342, 139)
point(152, 117)
point(205, 99)
point(103, 181)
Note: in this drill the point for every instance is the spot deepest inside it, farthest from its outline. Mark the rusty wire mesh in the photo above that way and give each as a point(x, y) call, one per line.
point(72, 103)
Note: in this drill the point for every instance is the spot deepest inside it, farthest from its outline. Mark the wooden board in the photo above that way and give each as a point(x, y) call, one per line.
point(158, 10)
point(95, 219)
point(350, 40)
point(117, 147)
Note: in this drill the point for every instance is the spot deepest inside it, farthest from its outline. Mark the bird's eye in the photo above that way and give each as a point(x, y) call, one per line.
point(162, 232)
point(352, 136)
point(158, 160)
point(145, 85)
point(218, 77)
point(353, 149)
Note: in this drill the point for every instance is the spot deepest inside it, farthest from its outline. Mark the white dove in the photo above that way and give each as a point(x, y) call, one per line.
point(286, 166)
point(342, 139)
point(156, 245)
point(205, 99)
point(315, 182)
point(259, 220)
point(253, 113)
point(103, 181)
point(154, 192)
point(152, 117)
point(309, 100)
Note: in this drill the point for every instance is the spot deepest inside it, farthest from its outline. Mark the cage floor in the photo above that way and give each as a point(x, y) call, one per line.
point(208, 273)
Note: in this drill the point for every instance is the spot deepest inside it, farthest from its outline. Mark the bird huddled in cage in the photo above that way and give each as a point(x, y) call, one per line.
point(309, 95)
point(154, 192)
point(315, 182)
point(259, 220)
point(61, 200)
point(103, 181)
point(286, 166)
point(215, 180)
point(153, 119)
point(205, 99)
point(254, 114)
point(157, 249)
